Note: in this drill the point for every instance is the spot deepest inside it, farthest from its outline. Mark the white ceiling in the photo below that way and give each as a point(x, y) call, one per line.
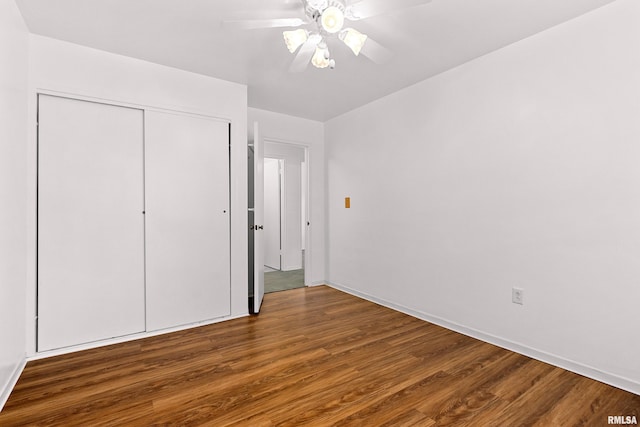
point(187, 34)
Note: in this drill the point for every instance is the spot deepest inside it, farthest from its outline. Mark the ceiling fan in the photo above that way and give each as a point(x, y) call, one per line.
point(324, 20)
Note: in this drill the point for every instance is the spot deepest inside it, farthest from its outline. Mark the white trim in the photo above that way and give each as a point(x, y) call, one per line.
point(286, 142)
point(13, 379)
point(561, 362)
point(139, 106)
point(127, 338)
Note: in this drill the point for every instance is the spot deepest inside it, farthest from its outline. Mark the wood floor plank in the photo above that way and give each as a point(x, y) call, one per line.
point(316, 357)
point(582, 403)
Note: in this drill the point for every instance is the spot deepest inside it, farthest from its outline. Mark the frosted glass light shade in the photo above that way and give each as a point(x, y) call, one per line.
point(320, 58)
point(332, 19)
point(294, 39)
point(354, 39)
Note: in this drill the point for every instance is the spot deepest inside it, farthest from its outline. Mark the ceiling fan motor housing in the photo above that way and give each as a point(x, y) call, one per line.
point(314, 8)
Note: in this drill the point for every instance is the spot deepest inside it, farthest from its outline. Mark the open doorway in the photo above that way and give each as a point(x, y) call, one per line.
point(285, 215)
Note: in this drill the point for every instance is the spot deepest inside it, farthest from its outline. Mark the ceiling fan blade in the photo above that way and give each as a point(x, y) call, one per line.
point(376, 52)
point(253, 24)
point(303, 57)
point(368, 8)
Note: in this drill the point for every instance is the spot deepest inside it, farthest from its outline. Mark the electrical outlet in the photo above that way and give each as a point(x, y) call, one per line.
point(517, 296)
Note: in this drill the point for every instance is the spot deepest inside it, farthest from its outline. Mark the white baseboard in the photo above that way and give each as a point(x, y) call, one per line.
point(318, 283)
point(552, 359)
point(126, 338)
point(13, 379)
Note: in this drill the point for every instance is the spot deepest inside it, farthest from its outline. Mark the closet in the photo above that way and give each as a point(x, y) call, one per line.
point(132, 221)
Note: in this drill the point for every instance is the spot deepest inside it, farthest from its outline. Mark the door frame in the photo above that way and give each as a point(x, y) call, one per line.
point(307, 264)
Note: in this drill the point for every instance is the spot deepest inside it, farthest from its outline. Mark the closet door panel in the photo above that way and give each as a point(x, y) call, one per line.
point(187, 219)
point(90, 222)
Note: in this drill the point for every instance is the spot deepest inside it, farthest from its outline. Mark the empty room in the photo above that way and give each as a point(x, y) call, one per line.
point(450, 188)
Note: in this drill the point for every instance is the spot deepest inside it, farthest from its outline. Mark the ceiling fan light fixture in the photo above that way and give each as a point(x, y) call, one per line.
point(321, 58)
point(295, 38)
point(332, 19)
point(354, 39)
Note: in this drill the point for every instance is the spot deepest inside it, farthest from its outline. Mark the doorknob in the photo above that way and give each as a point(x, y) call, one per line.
point(261, 227)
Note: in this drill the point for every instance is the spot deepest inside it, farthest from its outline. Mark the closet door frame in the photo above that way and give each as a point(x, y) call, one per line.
point(32, 248)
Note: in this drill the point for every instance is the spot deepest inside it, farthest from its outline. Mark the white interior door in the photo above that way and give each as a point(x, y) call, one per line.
point(90, 222)
point(258, 181)
point(272, 216)
point(187, 219)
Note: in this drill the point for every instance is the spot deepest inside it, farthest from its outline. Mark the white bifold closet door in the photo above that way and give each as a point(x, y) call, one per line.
point(187, 219)
point(90, 222)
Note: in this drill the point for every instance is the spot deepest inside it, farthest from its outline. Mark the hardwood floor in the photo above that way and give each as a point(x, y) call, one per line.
point(315, 356)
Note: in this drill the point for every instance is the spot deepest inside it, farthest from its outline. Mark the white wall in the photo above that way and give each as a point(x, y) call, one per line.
point(517, 169)
point(291, 236)
point(61, 67)
point(13, 137)
point(288, 129)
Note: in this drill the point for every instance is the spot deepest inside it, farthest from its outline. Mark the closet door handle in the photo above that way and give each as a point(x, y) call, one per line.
point(261, 227)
